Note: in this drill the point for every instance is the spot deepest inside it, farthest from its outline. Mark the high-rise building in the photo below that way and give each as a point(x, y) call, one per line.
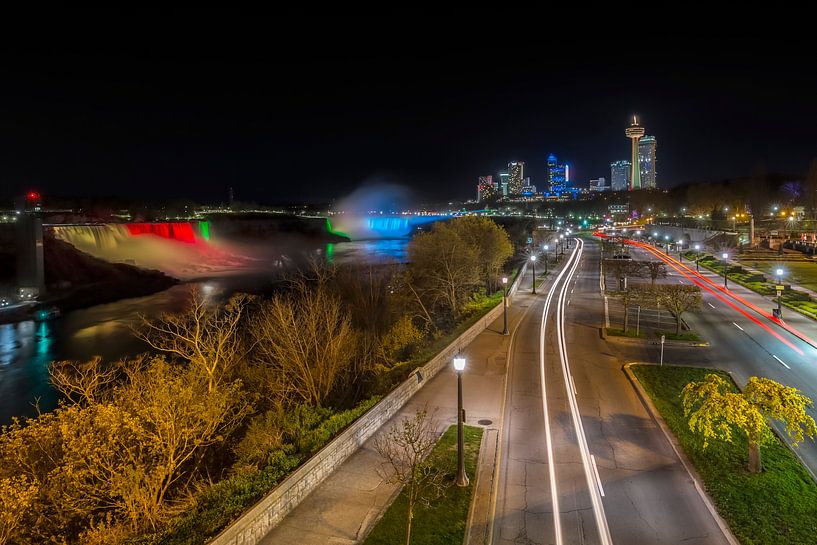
point(516, 173)
point(634, 132)
point(620, 175)
point(558, 175)
point(30, 263)
point(599, 184)
point(486, 188)
point(646, 161)
point(503, 183)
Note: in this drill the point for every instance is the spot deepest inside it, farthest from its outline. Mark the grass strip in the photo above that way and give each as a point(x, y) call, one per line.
point(443, 521)
point(776, 506)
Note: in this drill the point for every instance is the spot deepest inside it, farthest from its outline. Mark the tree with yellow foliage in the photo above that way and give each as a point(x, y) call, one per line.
point(715, 409)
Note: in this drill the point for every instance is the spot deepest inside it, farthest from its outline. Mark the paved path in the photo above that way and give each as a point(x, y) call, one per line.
point(345, 506)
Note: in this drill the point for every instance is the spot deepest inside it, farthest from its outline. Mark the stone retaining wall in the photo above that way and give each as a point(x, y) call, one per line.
point(263, 516)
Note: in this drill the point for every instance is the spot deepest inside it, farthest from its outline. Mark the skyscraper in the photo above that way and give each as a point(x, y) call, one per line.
point(620, 175)
point(634, 132)
point(599, 184)
point(516, 173)
point(503, 183)
point(486, 188)
point(558, 175)
point(646, 160)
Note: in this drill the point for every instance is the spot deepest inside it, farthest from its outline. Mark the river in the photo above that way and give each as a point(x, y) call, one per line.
point(27, 348)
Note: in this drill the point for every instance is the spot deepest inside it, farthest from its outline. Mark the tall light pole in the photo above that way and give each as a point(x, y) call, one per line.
point(680, 249)
point(697, 257)
point(725, 256)
point(666, 241)
point(562, 242)
point(546, 248)
point(655, 238)
point(533, 271)
point(462, 478)
point(505, 304)
point(779, 274)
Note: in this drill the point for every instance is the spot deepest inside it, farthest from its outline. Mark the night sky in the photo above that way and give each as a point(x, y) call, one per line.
point(287, 112)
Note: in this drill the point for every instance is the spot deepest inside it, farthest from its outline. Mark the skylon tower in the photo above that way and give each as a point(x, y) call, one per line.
point(634, 132)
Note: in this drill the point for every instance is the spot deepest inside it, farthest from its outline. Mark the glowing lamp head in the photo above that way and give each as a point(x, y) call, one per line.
point(725, 255)
point(504, 280)
point(459, 363)
point(655, 233)
point(546, 247)
point(779, 272)
point(666, 237)
point(697, 246)
point(533, 258)
point(561, 236)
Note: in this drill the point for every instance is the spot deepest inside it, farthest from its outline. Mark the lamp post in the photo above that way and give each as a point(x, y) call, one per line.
point(655, 238)
point(725, 256)
point(680, 244)
point(533, 271)
point(562, 242)
point(697, 257)
point(462, 478)
point(505, 304)
point(666, 241)
point(779, 274)
point(546, 248)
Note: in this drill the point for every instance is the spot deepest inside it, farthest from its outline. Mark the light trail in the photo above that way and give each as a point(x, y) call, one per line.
point(717, 293)
point(737, 326)
point(668, 259)
point(591, 474)
point(554, 489)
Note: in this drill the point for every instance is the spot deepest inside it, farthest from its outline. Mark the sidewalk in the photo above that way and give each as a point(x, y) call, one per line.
point(348, 503)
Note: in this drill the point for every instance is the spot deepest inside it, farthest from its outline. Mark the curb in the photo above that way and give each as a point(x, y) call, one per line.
point(651, 342)
point(679, 452)
point(476, 525)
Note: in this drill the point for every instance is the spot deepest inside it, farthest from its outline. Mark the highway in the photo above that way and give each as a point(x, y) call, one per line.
point(581, 460)
point(745, 340)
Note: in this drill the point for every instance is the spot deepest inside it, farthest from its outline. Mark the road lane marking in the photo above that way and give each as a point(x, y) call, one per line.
point(737, 326)
point(710, 304)
point(596, 473)
point(781, 361)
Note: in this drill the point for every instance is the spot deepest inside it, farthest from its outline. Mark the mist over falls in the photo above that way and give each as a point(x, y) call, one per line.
point(178, 249)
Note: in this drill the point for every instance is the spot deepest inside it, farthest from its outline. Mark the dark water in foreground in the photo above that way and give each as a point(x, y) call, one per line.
point(27, 348)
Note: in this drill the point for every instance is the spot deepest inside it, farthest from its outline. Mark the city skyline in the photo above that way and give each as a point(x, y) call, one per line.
point(176, 119)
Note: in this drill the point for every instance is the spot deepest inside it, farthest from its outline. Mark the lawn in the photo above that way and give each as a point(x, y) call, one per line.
point(800, 273)
point(443, 521)
point(776, 506)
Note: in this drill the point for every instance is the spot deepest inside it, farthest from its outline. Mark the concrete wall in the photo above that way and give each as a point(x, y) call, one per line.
point(263, 516)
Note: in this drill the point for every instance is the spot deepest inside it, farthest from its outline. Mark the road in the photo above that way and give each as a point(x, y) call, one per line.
point(744, 339)
point(581, 459)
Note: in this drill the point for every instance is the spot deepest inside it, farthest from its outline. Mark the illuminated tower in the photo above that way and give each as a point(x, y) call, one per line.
point(634, 132)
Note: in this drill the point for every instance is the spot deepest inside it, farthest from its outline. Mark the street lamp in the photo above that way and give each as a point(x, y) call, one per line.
point(533, 270)
point(779, 274)
point(546, 248)
point(462, 478)
point(666, 241)
point(505, 304)
point(697, 256)
point(680, 244)
point(725, 256)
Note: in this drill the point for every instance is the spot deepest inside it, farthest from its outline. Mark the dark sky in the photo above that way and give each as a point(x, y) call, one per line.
point(286, 111)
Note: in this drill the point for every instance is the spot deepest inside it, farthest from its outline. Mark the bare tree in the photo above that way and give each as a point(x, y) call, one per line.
point(206, 335)
point(84, 381)
point(304, 342)
point(628, 298)
point(623, 269)
point(656, 270)
point(679, 299)
point(405, 448)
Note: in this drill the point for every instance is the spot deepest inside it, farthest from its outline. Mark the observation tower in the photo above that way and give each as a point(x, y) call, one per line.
point(634, 132)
